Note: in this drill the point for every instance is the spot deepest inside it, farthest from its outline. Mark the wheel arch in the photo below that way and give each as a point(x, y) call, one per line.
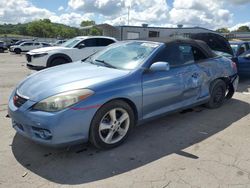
point(58, 55)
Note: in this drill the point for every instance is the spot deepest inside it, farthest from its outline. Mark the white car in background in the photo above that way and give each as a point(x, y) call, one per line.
point(58, 43)
point(75, 49)
point(27, 46)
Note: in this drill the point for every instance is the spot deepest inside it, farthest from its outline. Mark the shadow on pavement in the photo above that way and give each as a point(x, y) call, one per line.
point(148, 143)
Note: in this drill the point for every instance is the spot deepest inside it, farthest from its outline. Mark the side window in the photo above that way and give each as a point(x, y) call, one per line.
point(198, 54)
point(27, 44)
point(179, 54)
point(172, 54)
point(90, 42)
point(37, 44)
point(104, 42)
point(242, 49)
point(187, 54)
point(45, 44)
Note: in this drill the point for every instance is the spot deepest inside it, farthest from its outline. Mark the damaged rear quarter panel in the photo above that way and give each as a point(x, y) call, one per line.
point(213, 69)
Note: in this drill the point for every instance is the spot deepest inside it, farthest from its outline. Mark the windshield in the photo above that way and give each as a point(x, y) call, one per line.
point(234, 47)
point(71, 43)
point(124, 55)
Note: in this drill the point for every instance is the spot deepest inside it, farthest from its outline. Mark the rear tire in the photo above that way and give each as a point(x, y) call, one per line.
point(111, 125)
point(217, 94)
point(58, 61)
point(17, 51)
point(1, 50)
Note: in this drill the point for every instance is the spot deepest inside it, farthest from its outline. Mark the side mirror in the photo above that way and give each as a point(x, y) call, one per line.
point(81, 46)
point(159, 67)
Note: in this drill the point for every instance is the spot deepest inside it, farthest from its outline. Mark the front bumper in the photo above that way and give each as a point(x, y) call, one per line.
point(32, 67)
point(37, 63)
point(53, 129)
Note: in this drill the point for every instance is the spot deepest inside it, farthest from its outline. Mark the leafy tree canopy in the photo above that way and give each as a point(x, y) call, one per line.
point(46, 28)
point(243, 29)
point(223, 30)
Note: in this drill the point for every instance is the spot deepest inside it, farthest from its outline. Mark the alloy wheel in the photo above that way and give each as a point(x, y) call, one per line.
point(114, 126)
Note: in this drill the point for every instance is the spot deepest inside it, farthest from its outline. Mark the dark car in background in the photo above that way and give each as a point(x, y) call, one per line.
point(3, 46)
point(241, 56)
point(239, 47)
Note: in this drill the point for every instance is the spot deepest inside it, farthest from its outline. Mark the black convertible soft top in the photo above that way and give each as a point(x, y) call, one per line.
point(214, 41)
point(197, 43)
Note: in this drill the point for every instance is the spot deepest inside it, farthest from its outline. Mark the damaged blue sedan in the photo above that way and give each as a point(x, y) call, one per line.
point(103, 97)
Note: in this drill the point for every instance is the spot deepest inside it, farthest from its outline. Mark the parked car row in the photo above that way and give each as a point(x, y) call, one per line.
point(102, 97)
point(27, 46)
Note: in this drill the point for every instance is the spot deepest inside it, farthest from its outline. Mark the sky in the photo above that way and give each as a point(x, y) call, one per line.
point(211, 14)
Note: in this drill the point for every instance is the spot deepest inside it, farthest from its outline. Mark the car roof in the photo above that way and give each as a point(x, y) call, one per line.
point(88, 37)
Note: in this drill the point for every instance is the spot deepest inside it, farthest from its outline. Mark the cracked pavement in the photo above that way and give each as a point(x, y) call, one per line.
point(196, 148)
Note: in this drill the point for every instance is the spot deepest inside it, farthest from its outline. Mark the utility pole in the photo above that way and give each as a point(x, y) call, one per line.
point(128, 14)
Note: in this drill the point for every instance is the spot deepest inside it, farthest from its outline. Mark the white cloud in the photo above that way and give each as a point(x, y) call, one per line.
point(60, 8)
point(14, 11)
point(239, 25)
point(20, 11)
point(104, 7)
point(73, 19)
point(206, 13)
point(154, 12)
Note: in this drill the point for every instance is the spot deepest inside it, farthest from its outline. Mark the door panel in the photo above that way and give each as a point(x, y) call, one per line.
point(171, 90)
point(244, 65)
point(192, 81)
point(161, 90)
point(177, 88)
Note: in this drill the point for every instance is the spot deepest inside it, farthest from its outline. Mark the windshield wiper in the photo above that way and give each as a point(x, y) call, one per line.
point(105, 63)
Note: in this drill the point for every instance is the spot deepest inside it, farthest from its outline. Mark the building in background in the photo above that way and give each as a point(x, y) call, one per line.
point(145, 32)
point(245, 36)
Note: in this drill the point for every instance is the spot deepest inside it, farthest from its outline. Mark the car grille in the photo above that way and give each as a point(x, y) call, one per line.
point(28, 57)
point(19, 101)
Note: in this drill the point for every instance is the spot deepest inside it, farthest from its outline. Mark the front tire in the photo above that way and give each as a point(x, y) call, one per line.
point(217, 94)
point(58, 61)
point(17, 51)
point(111, 125)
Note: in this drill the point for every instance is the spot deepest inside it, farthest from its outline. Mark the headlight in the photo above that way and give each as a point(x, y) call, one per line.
point(40, 55)
point(63, 100)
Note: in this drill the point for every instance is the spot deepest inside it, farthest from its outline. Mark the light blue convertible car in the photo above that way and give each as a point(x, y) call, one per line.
point(102, 98)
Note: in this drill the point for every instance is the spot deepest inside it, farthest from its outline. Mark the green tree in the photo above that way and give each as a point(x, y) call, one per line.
point(223, 30)
point(85, 23)
point(243, 28)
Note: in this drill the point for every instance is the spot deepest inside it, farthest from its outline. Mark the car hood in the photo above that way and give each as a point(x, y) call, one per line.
point(65, 78)
point(215, 41)
point(47, 49)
